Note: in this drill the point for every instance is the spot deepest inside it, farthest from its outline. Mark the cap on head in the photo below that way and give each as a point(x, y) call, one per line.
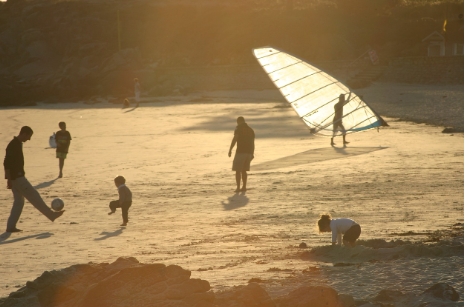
point(240, 120)
point(119, 180)
point(26, 130)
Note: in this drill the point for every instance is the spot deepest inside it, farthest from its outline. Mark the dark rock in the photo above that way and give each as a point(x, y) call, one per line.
point(251, 295)
point(346, 300)
point(443, 291)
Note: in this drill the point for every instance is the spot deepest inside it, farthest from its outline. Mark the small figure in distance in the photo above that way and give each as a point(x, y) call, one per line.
point(137, 91)
point(62, 139)
point(349, 229)
point(244, 136)
point(337, 119)
point(125, 199)
point(19, 185)
point(126, 103)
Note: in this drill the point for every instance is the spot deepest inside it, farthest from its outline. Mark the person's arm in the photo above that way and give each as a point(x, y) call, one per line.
point(334, 233)
point(233, 142)
point(121, 197)
point(8, 163)
point(7, 177)
point(339, 239)
point(347, 100)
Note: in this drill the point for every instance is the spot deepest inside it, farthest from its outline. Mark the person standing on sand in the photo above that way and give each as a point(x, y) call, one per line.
point(62, 139)
point(337, 119)
point(137, 91)
point(19, 185)
point(244, 136)
point(349, 229)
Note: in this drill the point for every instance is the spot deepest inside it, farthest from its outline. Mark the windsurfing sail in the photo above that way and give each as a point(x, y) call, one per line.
point(313, 94)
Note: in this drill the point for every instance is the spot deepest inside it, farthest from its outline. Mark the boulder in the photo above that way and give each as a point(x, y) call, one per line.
point(251, 295)
point(125, 282)
point(442, 291)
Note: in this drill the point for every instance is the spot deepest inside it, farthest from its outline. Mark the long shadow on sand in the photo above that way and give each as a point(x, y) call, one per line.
point(131, 110)
point(107, 235)
point(314, 155)
point(236, 201)
point(45, 184)
point(4, 237)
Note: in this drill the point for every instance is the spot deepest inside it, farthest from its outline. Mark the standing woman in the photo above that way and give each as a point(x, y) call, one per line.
point(349, 229)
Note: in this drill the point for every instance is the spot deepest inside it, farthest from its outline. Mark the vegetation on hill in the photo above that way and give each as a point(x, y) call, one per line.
point(65, 48)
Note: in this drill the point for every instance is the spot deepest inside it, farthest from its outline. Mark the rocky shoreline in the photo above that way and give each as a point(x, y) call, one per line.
point(127, 282)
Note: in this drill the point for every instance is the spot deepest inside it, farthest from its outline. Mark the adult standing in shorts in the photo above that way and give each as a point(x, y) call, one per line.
point(337, 119)
point(244, 136)
point(63, 139)
point(19, 185)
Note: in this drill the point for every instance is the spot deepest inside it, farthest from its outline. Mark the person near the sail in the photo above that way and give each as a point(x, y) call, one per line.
point(337, 119)
point(244, 136)
point(349, 229)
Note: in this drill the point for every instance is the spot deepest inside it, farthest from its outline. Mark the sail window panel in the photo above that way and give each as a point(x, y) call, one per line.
point(277, 62)
point(290, 75)
point(300, 92)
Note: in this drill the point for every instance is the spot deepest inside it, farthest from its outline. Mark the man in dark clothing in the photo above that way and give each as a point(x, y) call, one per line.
point(19, 185)
point(244, 136)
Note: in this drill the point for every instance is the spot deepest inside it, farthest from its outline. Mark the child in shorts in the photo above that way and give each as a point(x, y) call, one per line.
point(349, 229)
point(125, 199)
point(62, 139)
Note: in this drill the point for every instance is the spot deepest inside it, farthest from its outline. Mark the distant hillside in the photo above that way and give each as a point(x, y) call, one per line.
point(75, 49)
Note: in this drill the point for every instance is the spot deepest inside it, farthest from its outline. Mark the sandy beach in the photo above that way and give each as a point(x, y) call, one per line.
point(403, 184)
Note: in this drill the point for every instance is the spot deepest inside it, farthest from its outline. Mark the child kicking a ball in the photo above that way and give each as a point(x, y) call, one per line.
point(125, 199)
point(349, 229)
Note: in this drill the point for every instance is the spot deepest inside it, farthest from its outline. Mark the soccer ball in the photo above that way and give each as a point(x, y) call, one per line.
point(57, 204)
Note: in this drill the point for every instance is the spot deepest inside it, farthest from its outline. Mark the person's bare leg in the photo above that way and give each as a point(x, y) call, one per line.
point(238, 179)
point(344, 135)
point(244, 181)
point(344, 139)
point(61, 163)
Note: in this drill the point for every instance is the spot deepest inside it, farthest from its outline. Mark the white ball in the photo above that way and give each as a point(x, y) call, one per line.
point(57, 204)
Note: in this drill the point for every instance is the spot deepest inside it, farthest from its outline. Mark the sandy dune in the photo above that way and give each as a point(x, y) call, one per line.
point(404, 182)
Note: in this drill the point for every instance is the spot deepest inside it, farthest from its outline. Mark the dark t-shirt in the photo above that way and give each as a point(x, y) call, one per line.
point(14, 159)
point(245, 139)
point(62, 138)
